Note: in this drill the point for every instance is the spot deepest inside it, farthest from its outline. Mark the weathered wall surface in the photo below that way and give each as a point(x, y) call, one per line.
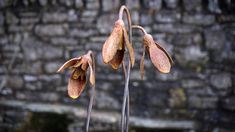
point(37, 36)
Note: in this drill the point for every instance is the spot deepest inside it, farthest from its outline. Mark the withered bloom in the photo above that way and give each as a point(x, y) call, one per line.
point(158, 55)
point(79, 66)
point(114, 48)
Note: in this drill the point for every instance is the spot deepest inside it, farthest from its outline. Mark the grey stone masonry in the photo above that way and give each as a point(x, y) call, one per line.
point(38, 36)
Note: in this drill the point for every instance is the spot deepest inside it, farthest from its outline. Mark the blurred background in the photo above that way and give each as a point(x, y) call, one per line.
point(38, 36)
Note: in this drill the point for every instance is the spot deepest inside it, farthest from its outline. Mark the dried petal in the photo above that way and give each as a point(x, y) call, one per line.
point(117, 59)
point(77, 73)
point(92, 73)
point(68, 63)
point(75, 87)
point(78, 63)
point(159, 59)
point(112, 44)
point(129, 47)
point(158, 56)
point(169, 57)
point(84, 65)
point(142, 65)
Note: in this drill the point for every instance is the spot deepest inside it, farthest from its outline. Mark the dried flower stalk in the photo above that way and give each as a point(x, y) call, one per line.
point(113, 54)
point(158, 55)
point(77, 81)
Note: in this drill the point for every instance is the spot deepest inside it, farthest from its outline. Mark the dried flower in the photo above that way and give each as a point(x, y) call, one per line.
point(79, 66)
point(158, 55)
point(114, 48)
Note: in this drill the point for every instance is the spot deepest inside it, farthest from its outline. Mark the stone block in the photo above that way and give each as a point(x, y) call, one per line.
point(5, 3)
point(215, 39)
point(34, 68)
point(11, 18)
point(51, 30)
point(105, 101)
point(194, 5)
point(2, 18)
point(172, 76)
point(110, 5)
point(51, 67)
point(153, 4)
point(175, 28)
point(105, 23)
point(221, 81)
point(49, 96)
point(192, 55)
point(201, 91)
point(79, 4)
point(202, 102)
point(132, 4)
point(63, 41)
point(186, 39)
point(177, 97)
point(213, 6)
point(26, 21)
point(82, 33)
point(54, 17)
point(68, 3)
point(229, 103)
point(145, 18)
point(15, 82)
point(192, 83)
point(92, 4)
point(171, 3)
point(167, 16)
point(199, 19)
point(35, 50)
point(43, 2)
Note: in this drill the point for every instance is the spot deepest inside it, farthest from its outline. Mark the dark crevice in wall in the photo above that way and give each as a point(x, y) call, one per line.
point(84, 3)
point(227, 6)
point(122, 2)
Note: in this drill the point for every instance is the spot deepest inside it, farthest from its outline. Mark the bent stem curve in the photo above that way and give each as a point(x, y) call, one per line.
point(126, 104)
point(139, 27)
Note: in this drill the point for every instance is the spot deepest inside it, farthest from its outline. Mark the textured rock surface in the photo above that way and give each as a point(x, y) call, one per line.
point(37, 36)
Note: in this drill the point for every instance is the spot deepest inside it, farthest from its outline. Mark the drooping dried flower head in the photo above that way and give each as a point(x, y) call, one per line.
point(79, 66)
point(158, 55)
point(114, 48)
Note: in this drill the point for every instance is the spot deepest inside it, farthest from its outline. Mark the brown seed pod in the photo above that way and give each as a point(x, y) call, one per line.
point(158, 55)
point(77, 80)
point(114, 48)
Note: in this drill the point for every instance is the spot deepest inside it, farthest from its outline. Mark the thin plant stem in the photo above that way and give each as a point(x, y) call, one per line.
point(92, 95)
point(139, 27)
point(90, 108)
point(128, 97)
point(126, 104)
point(125, 97)
point(127, 111)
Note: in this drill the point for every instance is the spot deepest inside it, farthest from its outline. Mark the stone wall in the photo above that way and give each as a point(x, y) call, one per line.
point(37, 36)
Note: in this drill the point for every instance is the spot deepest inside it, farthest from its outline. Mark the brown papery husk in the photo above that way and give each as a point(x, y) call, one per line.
point(68, 64)
point(76, 86)
point(158, 57)
point(112, 44)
